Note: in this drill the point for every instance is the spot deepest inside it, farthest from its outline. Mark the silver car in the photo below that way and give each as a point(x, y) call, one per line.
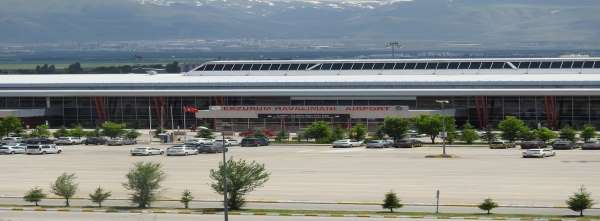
point(539, 153)
point(146, 151)
point(12, 149)
point(378, 144)
point(181, 150)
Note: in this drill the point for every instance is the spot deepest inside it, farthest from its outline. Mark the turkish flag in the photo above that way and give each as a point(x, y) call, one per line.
point(190, 109)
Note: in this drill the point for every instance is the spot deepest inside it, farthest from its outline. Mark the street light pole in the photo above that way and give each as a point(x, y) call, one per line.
point(444, 135)
point(225, 192)
point(393, 45)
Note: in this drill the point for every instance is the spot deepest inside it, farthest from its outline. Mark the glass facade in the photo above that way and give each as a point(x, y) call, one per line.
point(167, 112)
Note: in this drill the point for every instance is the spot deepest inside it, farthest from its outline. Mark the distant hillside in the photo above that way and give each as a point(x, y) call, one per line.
point(561, 21)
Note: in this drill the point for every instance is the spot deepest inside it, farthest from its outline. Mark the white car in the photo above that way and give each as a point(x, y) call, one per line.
point(228, 142)
point(181, 150)
point(233, 142)
point(146, 151)
point(11, 140)
point(346, 143)
point(199, 141)
point(13, 149)
point(68, 141)
point(539, 153)
point(42, 149)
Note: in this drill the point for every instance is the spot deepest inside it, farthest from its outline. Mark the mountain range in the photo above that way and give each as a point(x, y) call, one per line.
point(455, 21)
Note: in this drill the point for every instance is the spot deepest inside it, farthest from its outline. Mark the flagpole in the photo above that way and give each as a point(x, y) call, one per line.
point(184, 127)
point(150, 123)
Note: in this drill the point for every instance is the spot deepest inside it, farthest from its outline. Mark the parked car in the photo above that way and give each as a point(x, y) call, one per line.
point(42, 149)
point(68, 141)
point(591, 145)
point(220, 141)
point(501, 144)
point(216, 147)
point(408, 143)
point(146, 151)
point(564, 145)
point(39, 140)
point(121, 141)
point(346, 143)
point(11, 140)
point(378, 144)
point(13, 149)
point(250, 142)
point(539, 152)
point(233, 142)
point(95, 141)
point(533, 144)
point(181, 150)
point(198, 141)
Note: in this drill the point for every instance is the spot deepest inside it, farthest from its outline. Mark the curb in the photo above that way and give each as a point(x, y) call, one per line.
point(157, 211)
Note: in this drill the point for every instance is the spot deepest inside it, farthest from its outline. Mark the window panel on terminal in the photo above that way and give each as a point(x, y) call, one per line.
point(368, 66)
point(265, 67)
point(577, 64)
point(597, 64)
point(274, 67)
point(202, 67)
point(420, 66)
point(431, 66)
point(246, 67)
point(497, 65)
point(357, 66)
point(556, 64)
point(378, 66)
point(410, 66)
point(507, 65)
point(442, 66)
point(464, 65)
point(237, 67)
point(475, 65)
point(317, 67)
point(284, 67)
point(310, 65)
point(326, 66)
point(389, 66)
point(566, 64)
point(347, 66)
point(228, 67)
point(209, 67)
point(588, 64)
point(486, 65)
point(545, 65)
point(524, 65)
point(336, 66)
point(453, 65)
point(534, 65)
point(256, 67)
point(399, 66)
point(218, 67)
point(302, 67)
point(294, 67)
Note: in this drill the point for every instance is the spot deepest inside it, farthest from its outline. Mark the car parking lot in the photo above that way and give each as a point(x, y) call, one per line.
point(321, 173)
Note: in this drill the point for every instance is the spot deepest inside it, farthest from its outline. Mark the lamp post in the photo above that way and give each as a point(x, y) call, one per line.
point(393, 45)
point(225, 191)
point(443, 135)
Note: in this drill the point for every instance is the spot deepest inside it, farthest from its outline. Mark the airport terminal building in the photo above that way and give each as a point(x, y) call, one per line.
point(291, 94)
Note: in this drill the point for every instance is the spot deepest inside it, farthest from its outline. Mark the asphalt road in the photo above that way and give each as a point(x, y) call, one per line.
point(77, 216)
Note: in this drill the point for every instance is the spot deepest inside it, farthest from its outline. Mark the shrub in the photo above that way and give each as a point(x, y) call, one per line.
point(489, 135)
point(545, 134)
point(62, 132)
point(391, 201)
point(358, 132)
point(242, 178)
point(65, 186)
point(10, 124)
point(488, 205)
point(100, 196)
point(395, 127)
point(40, 131)
point(143, 180)
point(186, 198)
point(588, 132)
point(568, 133)
point(283, 135)
point(205, 133)
point(34, 195)
point(469, 134)
point(580, 201)
point(320, 131)
point(132, 134)
point(112, 129)
point(432, 125)
point(511, 128)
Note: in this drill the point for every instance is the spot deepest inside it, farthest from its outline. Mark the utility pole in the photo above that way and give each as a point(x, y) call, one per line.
point(393, 45)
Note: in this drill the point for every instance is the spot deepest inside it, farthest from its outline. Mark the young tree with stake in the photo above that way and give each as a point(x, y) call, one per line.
point(65, 186)
point(100, 196)
point(391, 201)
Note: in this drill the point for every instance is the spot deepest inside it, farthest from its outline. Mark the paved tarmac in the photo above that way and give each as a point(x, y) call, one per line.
point(320, 173)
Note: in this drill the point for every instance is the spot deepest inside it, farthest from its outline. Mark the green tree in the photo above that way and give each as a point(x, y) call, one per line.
point(186, 198)
point(40, 131)
point(489, 135)
point(282, 135)
point(74, 68)
point(77, 131)
point(320, 131)
point(358, 132)
point(242, 178)
point(205, 133)
point(511, 127)
point(488, 205)
point(432, 125)
point(99, 196)
point(580, 201)
point(338, 133)
point(395, 127)
point(379, 133)
point(469, 134)
point(10, 124)
point(144, 180)
point(173, 67)
point(65, 186)
point(545, 134)
point(62, 132)
point(568, 133)
point(391, 201)
point(112, 129)
point(527, 134)
point(132, 134)
point(34, 195)
point(588, 132)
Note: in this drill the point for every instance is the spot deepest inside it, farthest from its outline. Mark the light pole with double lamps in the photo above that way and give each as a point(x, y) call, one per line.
point(443, 135)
